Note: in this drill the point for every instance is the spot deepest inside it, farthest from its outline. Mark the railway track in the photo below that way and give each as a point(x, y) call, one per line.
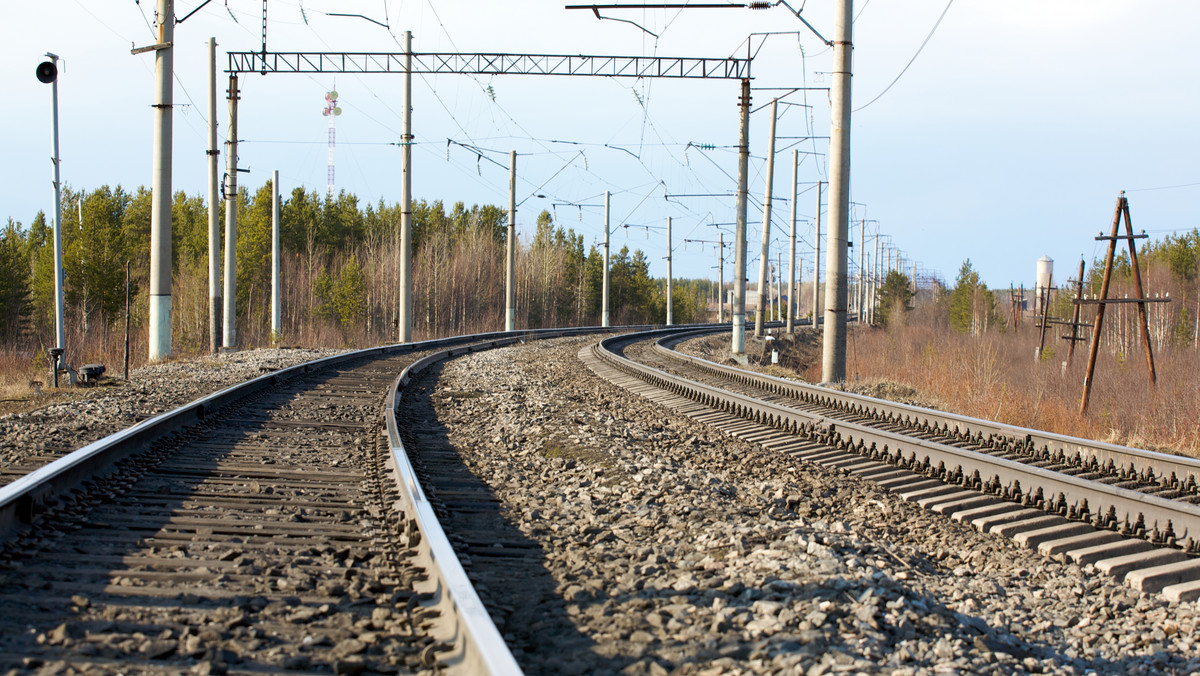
point(1135, 525)
point(274, 526)
point(297, 525)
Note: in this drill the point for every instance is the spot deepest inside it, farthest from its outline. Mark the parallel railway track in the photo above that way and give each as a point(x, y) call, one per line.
point(296, 523)
point(1145, 528)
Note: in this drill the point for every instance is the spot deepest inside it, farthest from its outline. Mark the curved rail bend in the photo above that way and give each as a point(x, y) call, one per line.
point(477, 647)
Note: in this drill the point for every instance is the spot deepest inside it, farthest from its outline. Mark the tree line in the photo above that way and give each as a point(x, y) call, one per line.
point(340, 266)
point(1170, 268)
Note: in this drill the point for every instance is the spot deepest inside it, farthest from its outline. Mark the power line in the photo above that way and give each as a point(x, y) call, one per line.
point(910, 61)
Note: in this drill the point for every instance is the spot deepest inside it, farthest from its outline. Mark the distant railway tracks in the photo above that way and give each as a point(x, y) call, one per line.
point(1131, 513)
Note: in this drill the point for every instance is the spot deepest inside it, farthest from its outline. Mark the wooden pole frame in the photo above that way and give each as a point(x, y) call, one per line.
point(1122, 210)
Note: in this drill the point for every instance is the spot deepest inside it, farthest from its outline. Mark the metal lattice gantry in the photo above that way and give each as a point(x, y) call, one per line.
point(490, 64)
point(409, 63)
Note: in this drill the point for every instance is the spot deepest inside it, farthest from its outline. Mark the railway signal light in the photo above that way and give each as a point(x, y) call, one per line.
point(47, 72)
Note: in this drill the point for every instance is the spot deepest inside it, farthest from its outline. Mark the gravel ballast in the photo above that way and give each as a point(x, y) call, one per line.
point(34, 438)
point(676, 549)
point(671, 548)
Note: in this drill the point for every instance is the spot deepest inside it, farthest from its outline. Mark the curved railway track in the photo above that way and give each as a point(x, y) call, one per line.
point(295, 523)
point(276, 525)
point(1134, 524)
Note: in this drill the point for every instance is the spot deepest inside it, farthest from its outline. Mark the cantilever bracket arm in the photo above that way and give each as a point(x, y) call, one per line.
point(596, 11)
point(804, 21)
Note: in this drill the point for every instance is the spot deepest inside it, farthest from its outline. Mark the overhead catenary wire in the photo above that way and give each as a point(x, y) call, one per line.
point(910, 61)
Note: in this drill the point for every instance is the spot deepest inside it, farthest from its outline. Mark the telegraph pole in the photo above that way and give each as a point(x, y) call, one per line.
point(765, 254)
point(214, 225)
point(739, 245)
point(406, 200)
point(720, 278)
point(160, 188)
point(670, 282)
point(229, 340)
point(833, 367)
point(1074, 315)
point(276, 281)
point(510, 284)
point(604, 294)
point(792, 246)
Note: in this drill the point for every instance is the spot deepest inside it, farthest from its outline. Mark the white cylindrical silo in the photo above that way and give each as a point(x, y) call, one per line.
point(1045, 276)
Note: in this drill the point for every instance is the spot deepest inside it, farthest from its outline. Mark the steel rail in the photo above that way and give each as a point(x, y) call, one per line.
point(1168, 470)
point(478, 647)
point(1053, 491)
point(24, 498)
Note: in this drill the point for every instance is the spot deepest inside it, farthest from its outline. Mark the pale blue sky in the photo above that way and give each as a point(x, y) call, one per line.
point(1008, 138)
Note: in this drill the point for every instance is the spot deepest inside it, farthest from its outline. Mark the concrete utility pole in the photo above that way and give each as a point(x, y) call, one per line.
point(160, 188)
point(739, 245)
point(778, 276)
point(405, 328)
point(833, 366)
point(765, 254)
point(214, 221)
point(720, 278)
point(791, 303)
point(604, 288)
point(510, 265)
point(229, 340)
point(670, 281)
point(816, 304)
point(276, 280)
point(875, 267)
point(862, 250)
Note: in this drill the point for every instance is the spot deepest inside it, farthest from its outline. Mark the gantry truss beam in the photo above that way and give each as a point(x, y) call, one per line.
point(490, 64)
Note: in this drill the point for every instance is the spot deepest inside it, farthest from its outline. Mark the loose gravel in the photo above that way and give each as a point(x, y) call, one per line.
point(674, 549)
point(799, 359)
point(34, 438)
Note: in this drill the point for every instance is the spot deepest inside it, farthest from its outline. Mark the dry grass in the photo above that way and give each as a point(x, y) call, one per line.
point(17, 395)
point(995, 376)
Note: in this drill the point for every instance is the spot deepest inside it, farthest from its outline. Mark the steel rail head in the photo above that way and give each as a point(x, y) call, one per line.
point(1168, 519)
point(478, 647)
point(24, 499)
point(1174, 470)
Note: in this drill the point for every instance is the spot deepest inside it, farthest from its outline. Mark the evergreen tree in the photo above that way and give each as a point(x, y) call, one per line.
point(40, 247)
point(94, 255)
point(254, 249)
point(972, 305)
point(14, 282)
point(893, 297)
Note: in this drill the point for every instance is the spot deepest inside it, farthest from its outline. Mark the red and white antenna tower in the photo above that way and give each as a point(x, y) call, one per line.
point(331, 111)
